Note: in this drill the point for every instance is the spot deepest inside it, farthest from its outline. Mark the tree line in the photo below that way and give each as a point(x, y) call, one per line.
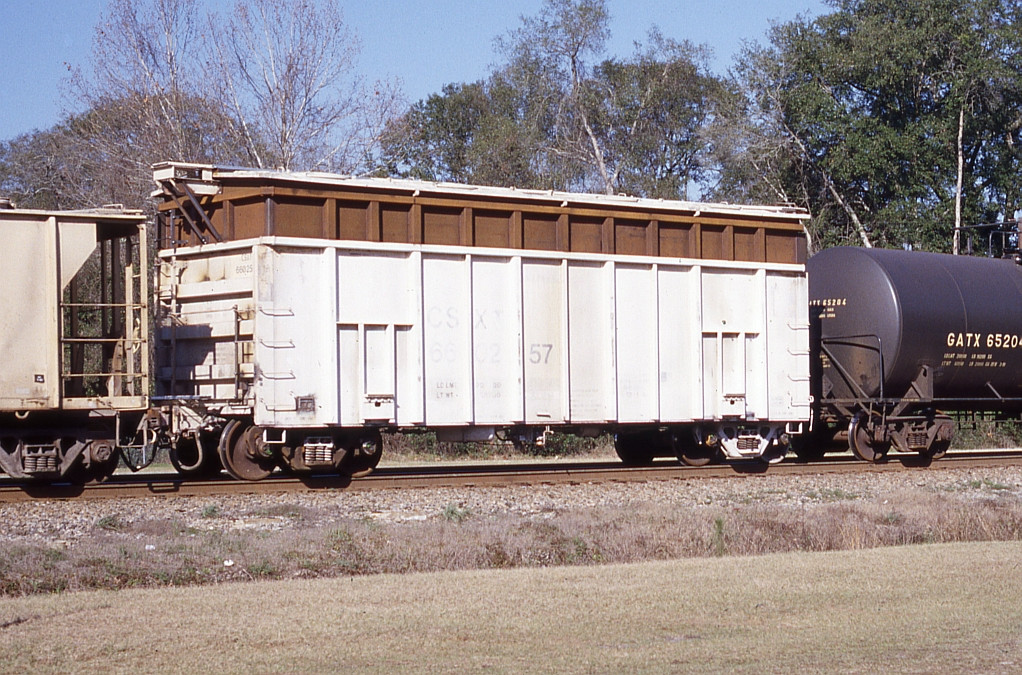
point(895, 124)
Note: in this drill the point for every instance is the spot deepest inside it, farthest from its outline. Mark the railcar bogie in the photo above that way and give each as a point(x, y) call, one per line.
point(251, 452)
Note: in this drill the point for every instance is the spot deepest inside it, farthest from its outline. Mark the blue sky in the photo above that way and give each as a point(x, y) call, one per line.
point(425, 44)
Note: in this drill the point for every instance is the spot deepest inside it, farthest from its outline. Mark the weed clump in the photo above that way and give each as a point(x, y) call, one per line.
point(455, 513)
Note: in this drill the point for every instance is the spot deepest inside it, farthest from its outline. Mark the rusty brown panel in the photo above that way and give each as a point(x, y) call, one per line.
point(218, 215)
point(330, 223)
point(394, 222)
point(299, 218)
point(516, 238)
point(586, 235)
point(492, 229)
point(539, 231)
point(373, 230)
point(249, 219)
point(696, 240)
point(607, 235)
point(351, 220)
point(675, 240)
point(441, 225)
point(179, 234)
point(630, 236)
point(785, 247)
point(465, 227)
point(713, 245)
point(749, 244)
point(415, 224)
point(231, 220)
point(653, 238)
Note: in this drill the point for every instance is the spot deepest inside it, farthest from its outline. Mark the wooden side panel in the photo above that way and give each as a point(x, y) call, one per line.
point(516, 235)
point(394, 222)
point(714, 244)
point(249, 219)
point(785, 247)
point(441, 226)
point(630, 236)
point(750, 244)
point(586, 235)
point(676, 240)
point(299, 218)
point(221, 218)
point(492, 229)
point(352, 220)
point(539, 231)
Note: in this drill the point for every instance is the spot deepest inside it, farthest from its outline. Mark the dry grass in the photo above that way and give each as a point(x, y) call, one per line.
point(285, 542)
point(940, 608)
point(989, 434)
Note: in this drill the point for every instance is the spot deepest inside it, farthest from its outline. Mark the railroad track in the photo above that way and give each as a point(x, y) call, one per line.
point(433, 476)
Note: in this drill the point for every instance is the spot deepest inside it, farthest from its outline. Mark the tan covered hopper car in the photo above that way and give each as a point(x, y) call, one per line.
point(74, 320)
point(206, 204)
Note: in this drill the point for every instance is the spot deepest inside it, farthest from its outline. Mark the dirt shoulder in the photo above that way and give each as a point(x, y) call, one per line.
point(926, 608)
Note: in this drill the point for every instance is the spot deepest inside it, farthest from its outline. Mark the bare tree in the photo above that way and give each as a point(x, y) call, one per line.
point(287, 72)
point(143, 102)
point(141, 57)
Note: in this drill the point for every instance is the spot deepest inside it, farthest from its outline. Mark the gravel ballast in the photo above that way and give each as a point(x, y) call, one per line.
point(66, 522)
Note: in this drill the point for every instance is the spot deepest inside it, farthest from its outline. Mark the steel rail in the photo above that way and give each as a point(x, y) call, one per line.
point(483, 475)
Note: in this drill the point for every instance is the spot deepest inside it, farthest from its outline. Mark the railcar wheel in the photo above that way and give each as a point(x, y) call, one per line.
point(239, 452)
point(635, 448)
point(363, 457)
point(937, 449)
point(691, 452)
point(862, 443)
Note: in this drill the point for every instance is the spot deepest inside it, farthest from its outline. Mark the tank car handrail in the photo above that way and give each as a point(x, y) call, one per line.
point(945, 403)
point(996, 393)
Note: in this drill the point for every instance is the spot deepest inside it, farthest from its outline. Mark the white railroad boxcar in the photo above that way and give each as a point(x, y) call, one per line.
point(308, 347)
